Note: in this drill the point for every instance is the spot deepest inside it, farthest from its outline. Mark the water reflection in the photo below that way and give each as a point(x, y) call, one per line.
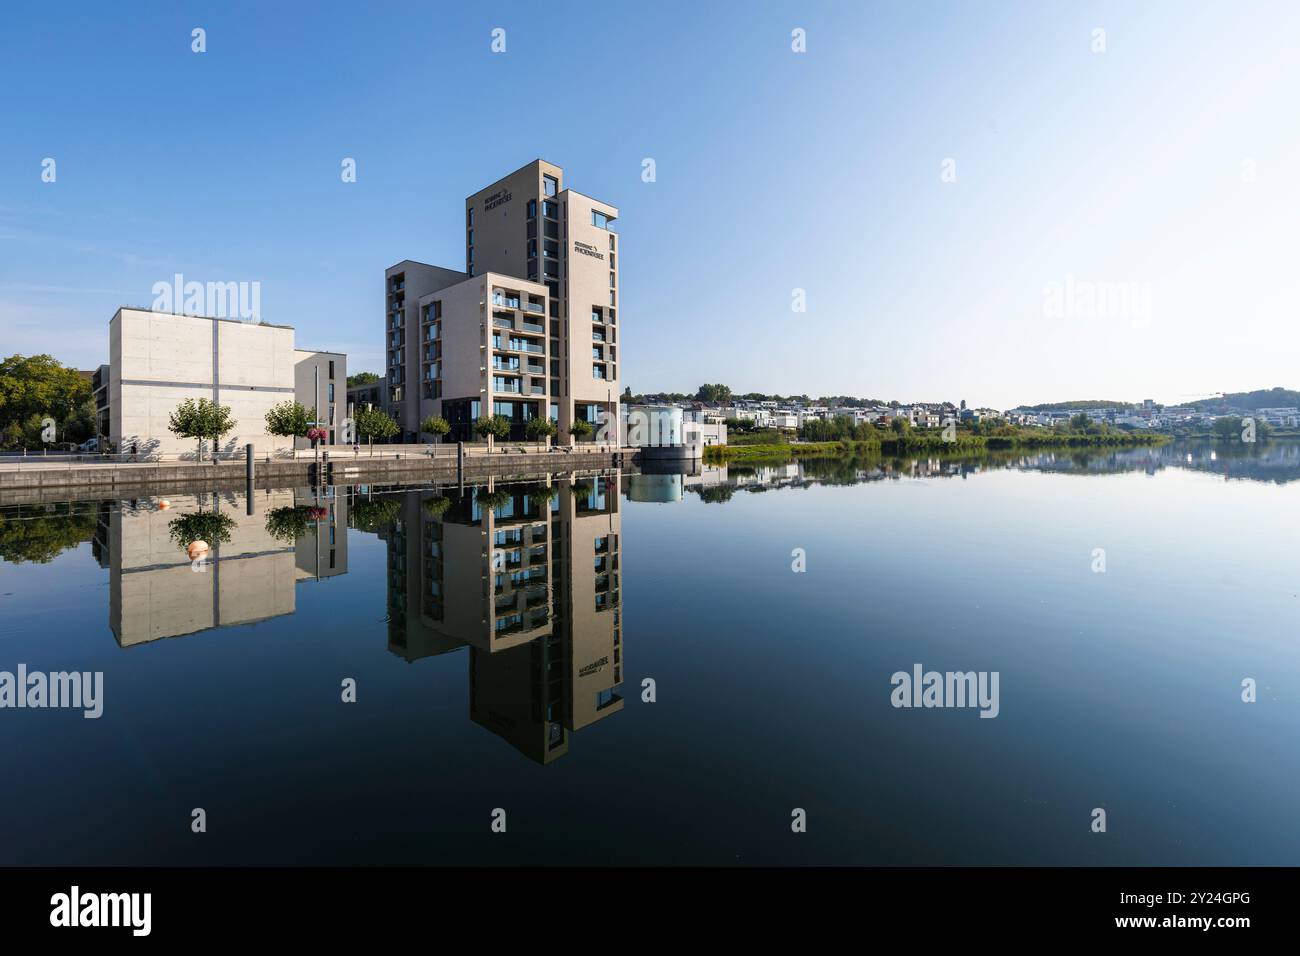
point(1273, 462)
point(247, 567)
point(527, 577)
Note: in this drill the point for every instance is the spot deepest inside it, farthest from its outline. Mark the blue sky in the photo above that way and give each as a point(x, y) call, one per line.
point(1161, 172)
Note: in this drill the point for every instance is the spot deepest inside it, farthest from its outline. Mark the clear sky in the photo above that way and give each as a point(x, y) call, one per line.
point(1163, 173)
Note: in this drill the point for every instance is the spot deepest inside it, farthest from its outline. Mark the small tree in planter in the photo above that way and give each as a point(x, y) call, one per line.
point(437, 426)
point(435, 507)
point(581, 429)
point(539, 429)
point(492, 426)
point(373, 423)
point(288, 420)
point(290, 523)
point(199, 420)
point(492, 500)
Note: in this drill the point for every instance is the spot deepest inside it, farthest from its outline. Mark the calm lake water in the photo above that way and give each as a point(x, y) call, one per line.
point(499, 638)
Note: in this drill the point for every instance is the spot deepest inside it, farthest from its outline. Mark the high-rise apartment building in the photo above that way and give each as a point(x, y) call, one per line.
point(528, 329)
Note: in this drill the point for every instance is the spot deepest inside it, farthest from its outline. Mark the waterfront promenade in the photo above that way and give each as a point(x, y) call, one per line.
point(30, 478)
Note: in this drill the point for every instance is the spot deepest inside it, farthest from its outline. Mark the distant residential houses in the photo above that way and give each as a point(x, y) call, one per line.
point(792, 414)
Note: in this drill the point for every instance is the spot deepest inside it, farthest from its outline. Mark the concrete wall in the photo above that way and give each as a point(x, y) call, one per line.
point(159, 360)
point(306, 365)
point(155, 591)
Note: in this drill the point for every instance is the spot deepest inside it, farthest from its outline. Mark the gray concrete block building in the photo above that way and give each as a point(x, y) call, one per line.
point(159, 359)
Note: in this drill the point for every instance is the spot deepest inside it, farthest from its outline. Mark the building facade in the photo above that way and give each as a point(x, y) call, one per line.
point(157, 360)
point(528, 328)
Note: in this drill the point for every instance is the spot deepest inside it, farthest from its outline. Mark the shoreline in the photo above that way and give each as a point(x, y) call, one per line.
point(965, 445)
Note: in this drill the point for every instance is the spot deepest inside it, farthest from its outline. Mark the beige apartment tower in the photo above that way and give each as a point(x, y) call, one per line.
point(528, 329)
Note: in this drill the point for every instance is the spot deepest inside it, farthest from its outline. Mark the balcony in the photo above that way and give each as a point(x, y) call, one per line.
point(503, 323)
point(537, 389)
point(534, 327)
point(536, 307)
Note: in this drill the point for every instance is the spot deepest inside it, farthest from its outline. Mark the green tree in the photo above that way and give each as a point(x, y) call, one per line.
point(900, 425)
point(1227, 427)
point(374, 514)
point(82, 422)
point(39, 386)
point(201, 419)
point(436, 425)
point(210, 526)
point(713, 393)
point(539, 428)
point(289, 419)
point(581, 429)
point(362, 378)
point(372, 423)
point(33, 534)
point(290, 522)
point(495, 425)
point(435, 507)
point(492, 500)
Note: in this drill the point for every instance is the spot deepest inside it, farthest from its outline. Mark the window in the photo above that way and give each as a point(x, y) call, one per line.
point(550, 185)
point(600, 220)
point(550, 210)
point(598, 371)
point(469, 217)
point(532, 248)
point(331, 396)
point(595, 315)
point(331, 375)
point(469, 238)
point(611, 297)
point(532, 208)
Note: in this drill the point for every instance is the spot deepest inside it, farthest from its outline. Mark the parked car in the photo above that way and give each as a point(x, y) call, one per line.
point(89, 445)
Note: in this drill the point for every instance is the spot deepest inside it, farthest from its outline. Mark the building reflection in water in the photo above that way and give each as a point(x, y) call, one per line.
point(527, 576)
point(249, 572)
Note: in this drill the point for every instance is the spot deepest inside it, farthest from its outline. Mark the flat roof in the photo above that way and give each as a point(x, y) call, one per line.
point(187, 315)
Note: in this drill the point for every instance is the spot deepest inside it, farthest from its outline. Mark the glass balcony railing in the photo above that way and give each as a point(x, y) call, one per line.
point(534, 327)
point(536, 307)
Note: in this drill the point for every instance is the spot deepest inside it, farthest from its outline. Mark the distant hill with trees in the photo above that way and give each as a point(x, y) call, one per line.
point(1260, 398)
point(1083, 404)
